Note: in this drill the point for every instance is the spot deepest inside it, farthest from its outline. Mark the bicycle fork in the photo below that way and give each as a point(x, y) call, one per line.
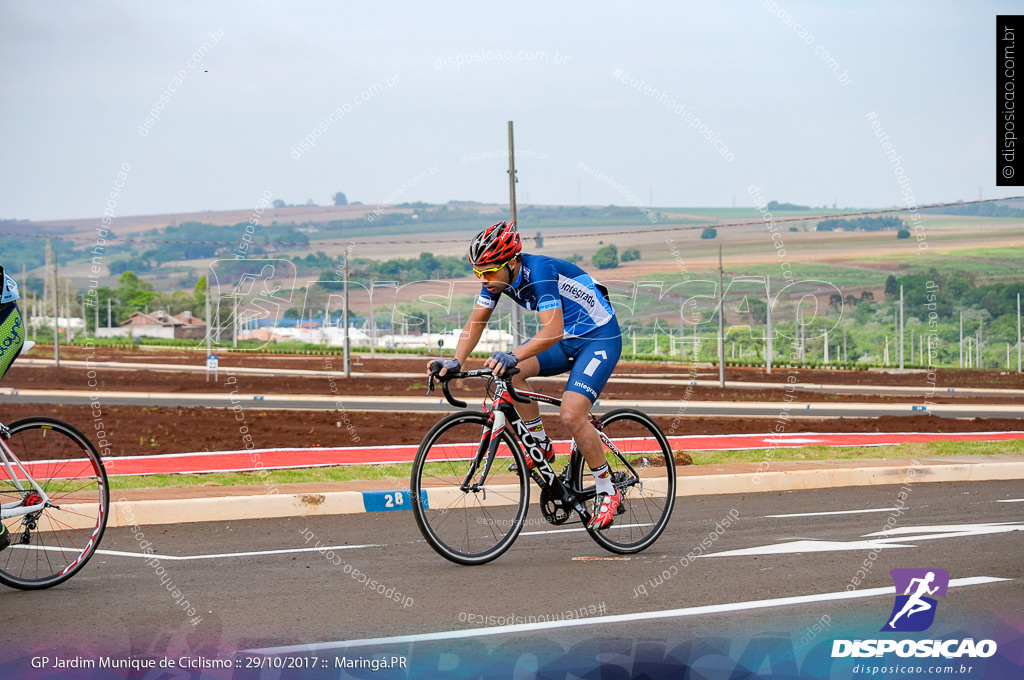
point(490, 437)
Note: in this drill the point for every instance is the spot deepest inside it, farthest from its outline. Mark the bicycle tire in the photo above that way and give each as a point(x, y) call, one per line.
point(467, 527)
point(648, 505)
point(65, 535)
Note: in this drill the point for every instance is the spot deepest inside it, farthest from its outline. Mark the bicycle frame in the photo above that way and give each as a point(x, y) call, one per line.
point(501, 415)
point(15, 508)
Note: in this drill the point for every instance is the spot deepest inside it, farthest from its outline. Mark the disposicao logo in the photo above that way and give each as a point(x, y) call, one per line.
point(914, 610)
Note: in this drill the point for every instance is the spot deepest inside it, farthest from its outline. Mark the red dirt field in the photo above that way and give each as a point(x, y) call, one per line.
point(363, 363)
point(156, 430)
point(135, 431)
point(171, 382)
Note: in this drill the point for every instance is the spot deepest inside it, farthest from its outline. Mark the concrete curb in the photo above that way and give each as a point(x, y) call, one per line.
point(127, 512)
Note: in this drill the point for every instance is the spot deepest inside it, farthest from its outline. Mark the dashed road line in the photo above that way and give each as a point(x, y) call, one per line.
point(834, 512)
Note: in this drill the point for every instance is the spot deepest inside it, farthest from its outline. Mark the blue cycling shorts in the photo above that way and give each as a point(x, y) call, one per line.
point(590, 359)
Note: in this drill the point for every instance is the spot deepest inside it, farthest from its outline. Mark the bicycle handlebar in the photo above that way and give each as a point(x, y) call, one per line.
point(474, 373)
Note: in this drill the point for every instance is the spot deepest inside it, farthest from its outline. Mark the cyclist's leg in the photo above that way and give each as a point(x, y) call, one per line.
point(528, 368)
point(595, 359)
point(580, 394)
point(552, 361)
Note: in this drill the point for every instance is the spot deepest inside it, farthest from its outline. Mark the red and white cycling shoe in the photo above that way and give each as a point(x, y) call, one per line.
point(605, 508)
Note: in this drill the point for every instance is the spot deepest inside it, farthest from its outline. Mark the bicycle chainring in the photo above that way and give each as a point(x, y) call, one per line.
point(553, 509)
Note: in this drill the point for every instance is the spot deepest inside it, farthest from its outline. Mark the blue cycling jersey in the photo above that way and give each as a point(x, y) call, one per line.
point(549, 283)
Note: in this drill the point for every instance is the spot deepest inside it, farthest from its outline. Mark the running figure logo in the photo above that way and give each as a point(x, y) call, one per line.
point(914, 611)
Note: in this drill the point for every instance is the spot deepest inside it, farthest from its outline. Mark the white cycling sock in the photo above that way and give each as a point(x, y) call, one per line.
point(603, 479)
point(536, 428)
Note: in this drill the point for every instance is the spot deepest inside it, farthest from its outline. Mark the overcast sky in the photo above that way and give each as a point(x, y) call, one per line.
point(783, 87)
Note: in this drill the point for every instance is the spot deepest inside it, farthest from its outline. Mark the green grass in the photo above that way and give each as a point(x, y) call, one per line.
point(901, 451)
point(1010, 253)
point(1002, 267)
point(340, 473)
point(399, 474)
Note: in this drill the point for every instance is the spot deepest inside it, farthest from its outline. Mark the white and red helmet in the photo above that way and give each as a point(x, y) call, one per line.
point(497, 244)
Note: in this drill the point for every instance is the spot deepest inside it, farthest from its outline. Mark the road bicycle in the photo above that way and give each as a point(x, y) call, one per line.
point(471, 506)
point(53, 484)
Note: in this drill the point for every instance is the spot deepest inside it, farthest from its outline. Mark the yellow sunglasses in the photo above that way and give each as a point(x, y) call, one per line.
point(480, 273)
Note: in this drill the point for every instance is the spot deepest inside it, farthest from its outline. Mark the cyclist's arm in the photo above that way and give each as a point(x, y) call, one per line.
point(549, 335)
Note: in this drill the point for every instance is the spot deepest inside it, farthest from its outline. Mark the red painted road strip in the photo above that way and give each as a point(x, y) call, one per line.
point(227, 461)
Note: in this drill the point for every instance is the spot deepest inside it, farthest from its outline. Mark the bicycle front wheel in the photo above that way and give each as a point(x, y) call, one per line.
point(644, 471)
point(463, 521)
point(50, 545)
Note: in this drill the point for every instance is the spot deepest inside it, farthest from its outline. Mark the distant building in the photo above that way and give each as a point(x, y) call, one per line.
point(160, 324)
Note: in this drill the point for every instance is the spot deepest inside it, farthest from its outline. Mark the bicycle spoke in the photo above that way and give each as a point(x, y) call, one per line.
point(70, 473)
point(637, 453)
point(466, 526)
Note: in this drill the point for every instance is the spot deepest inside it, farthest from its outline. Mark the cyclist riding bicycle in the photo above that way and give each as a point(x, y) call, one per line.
point(12, 337)
point(579, 334)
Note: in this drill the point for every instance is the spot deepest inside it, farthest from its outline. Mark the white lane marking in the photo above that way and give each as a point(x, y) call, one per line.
point(968, 529)
point(615, 618)
point(1011, 500)
point(834, 512)
point(808, 546)
point(121, 553)
point(914, 534)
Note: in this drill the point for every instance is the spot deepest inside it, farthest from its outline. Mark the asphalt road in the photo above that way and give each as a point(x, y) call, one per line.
point(263, 585)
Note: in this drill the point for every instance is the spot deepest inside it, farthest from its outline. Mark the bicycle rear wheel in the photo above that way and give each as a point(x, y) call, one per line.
point(49, 546)
point(464, 524)
point(644, 471)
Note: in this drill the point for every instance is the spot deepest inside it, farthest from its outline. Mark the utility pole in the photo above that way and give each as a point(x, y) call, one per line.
point(980, 349)
point(1018, 333)
point(67, 313)
point(961, 339)
point(47, 258)
point(518, 332)
point(56, 313)
point(901, 327)
point(768, 337)
point(721, 321)
point(373, 322)
point(344, 318)
point(209, 328)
